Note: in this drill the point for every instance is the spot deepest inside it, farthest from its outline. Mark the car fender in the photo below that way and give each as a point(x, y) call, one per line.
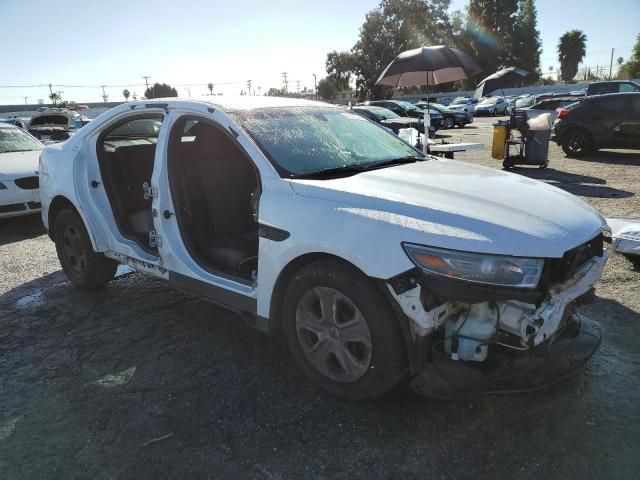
point(316, 226)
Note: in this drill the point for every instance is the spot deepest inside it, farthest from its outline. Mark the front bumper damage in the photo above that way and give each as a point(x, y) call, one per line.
point(526, 346)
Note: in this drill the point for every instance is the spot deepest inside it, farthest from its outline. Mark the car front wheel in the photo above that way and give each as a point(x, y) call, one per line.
point(342, 331)
point(576, 143)
point(448, 123)
point(84, 267)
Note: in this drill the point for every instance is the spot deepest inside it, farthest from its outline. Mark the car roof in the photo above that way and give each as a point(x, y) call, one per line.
point(609, 95)
point(612, 81)
point(239, 103)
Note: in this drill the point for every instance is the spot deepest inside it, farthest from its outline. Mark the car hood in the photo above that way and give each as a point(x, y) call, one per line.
point(461, 206)
point(18, 164)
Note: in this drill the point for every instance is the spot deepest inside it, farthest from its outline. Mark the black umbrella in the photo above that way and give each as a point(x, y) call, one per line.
point(428, 66)
point(505, 78)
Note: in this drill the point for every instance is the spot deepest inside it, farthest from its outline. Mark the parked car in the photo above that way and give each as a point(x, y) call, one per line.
point(549, 105)
point(19, 154)
point(56, 125)
point(612, 86)
point(450, 118)
point(405, 109)
point(20, 122)
point(464, 104)
point(599, 121)
point(377, 263)
point(492, 106)
point(390, 120)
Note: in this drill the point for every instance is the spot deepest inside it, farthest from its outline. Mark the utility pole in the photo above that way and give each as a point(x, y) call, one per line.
point(25, 103)
point(248, 87)
point(298, 85)
point(285, 81)
point(611, 64)
point(315, 85)
point(146, 81)
point(105, 97)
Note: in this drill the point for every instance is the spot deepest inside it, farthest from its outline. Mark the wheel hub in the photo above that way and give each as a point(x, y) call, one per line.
point(333, 334)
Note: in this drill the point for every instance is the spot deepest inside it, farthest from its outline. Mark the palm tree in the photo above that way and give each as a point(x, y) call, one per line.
point(210, 87)
point(125, 94)
point(55, 98)
point(571, 50)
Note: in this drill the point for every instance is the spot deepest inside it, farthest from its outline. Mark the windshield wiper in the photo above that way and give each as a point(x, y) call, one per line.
point(355, 169)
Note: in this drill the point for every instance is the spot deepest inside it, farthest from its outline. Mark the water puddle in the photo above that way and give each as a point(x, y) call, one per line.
point(29, 301)
point(115, 379)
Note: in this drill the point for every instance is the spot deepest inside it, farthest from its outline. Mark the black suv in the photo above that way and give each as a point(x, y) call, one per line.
point(612, 86)
point(599, 121)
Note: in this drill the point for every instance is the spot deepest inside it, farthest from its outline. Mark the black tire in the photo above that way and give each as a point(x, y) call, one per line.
point(448, 123)
point(387, 357)
point(576, 143)
point(85, 268)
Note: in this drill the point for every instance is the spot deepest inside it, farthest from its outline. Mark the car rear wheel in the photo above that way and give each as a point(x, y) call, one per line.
point(84, 267)
point(342, 331)
point(448, 123)
point(576, 143)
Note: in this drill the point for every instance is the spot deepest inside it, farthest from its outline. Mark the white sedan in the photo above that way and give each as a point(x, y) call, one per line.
point(19, 154)
point(378, 264)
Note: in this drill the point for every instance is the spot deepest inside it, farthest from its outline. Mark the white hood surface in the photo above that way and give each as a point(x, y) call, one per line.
point(19, 164)
point(458, 205)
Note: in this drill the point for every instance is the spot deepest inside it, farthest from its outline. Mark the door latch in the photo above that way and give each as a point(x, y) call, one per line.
point(155, 240)
point(149, 191)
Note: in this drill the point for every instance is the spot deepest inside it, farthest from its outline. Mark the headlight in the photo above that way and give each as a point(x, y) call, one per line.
point(499, 270)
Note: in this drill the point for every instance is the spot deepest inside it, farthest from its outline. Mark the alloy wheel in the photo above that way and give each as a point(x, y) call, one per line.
point(333, 334)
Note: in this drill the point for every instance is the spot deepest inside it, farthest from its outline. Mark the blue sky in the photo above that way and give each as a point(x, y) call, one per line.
point(75, 42)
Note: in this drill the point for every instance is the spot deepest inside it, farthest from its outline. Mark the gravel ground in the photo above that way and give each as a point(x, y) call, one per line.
point(140, 381)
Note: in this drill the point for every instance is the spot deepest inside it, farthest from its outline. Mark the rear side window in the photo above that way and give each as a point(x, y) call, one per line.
point(138, 128)
point(615, 104)
point(628, 87)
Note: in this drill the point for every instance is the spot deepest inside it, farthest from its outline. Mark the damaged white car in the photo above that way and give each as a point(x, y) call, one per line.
point(378, 264)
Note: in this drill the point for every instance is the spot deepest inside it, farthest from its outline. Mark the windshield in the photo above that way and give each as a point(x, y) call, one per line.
point(489, 101)
point(524, 102)
point(305, 140)
point(16, 140)
point(459, 101)
point(406, 105)
point(383, 113)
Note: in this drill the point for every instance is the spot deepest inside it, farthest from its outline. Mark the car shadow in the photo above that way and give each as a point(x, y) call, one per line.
point(614, 157)
point(16, 229)
point(583, 185)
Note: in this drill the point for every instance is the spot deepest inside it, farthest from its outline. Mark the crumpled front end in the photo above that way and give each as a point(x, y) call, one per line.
point(469, 340)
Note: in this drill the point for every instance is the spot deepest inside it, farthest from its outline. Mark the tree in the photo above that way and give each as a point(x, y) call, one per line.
point(488, 35)
point(327, 88)
point(160, 90)
point(526, 40)
point(395, 26)
point(631, 69)
point(125, 94)
point(55, 98)
point(210, 87)
point(571, 50)
point(340, 67)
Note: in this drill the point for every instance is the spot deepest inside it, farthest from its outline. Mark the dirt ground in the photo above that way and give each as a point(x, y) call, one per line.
point(139, 381)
